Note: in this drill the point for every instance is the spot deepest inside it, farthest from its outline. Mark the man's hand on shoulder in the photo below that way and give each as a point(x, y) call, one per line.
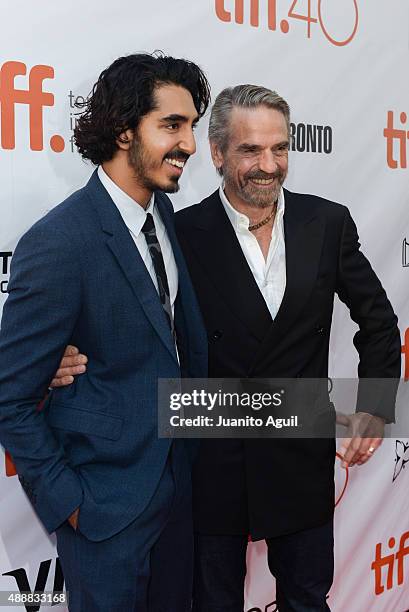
point(72, 364)
point(364, 436)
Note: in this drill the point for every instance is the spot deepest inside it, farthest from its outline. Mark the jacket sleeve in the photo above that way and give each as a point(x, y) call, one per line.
point(377, 340)
point(38, 319)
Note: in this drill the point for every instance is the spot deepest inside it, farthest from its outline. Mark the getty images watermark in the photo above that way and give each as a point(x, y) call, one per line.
point(223, 400)
point(271, 408)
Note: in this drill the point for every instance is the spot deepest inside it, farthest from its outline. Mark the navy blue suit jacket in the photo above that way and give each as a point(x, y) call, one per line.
point(77, 277)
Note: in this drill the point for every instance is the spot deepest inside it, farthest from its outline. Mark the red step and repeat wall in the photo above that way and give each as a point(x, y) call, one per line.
point(343, 67)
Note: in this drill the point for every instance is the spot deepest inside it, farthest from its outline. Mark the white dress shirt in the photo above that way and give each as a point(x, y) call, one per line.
point(269, 273)
point(134, 216)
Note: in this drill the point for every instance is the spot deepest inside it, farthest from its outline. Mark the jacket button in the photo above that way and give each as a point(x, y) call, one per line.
point(217, 334)
point(319, 329)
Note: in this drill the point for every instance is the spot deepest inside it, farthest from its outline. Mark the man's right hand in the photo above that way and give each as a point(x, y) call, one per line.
point(72, 364)
point(73, 520)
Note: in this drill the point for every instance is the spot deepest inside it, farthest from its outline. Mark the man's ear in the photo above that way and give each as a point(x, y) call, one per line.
point(124, 139)
point(217, 155)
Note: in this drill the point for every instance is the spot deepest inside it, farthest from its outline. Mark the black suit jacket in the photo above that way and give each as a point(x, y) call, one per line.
point(271, 487)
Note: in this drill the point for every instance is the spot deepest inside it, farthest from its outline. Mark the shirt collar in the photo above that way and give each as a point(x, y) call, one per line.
point(133, 214)
point(240, 221)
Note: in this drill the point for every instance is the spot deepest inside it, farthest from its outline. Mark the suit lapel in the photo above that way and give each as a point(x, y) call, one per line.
point(217, 248)
point(215, 243)
point(122, 246)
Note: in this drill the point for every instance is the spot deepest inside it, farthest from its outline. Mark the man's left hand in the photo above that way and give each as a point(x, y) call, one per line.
point(364, 437)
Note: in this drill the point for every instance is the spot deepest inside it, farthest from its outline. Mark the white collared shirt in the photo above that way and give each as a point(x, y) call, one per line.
point(134, 217)
point(269, 273)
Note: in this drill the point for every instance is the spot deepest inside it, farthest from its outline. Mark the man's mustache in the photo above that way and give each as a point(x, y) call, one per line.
point(262, 175)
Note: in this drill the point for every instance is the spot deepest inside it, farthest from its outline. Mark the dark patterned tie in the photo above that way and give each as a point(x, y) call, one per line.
point(149, 232)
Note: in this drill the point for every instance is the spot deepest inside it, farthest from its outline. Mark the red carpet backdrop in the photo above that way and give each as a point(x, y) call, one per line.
point(343, 67)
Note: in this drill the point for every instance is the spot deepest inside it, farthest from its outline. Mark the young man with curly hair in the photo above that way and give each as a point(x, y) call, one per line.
point(104, 270)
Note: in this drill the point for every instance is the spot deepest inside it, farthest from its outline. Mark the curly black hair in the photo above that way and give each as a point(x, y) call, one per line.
point(124, 93)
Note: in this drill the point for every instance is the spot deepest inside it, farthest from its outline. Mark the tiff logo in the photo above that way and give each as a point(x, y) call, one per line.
point(10, 467)
point(5, 257)
point(34, 97)
point(401, 458)
point(405, 253)
point(405, 353)
point(388, 561)
point(224, 15)
point(394, 135)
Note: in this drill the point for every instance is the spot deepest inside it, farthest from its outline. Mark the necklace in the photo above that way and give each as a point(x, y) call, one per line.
point(263, 222)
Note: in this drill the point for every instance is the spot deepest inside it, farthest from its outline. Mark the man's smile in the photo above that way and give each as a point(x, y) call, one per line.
point(262, 182)
point(175, 162)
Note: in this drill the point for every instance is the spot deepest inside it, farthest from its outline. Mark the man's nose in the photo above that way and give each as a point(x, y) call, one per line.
point(188, 143)
point(268, 162)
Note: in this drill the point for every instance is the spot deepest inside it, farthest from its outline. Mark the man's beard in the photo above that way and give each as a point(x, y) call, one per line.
point(259, 197)
point(142, 162)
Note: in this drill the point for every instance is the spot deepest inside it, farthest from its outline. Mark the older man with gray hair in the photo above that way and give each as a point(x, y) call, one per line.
point(266, 264)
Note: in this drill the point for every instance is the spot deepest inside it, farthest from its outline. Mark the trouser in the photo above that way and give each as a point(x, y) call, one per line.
point(148, 566)
point(301, 562)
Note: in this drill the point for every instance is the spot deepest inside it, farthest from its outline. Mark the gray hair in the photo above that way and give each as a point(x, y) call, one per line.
point(241, 96)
